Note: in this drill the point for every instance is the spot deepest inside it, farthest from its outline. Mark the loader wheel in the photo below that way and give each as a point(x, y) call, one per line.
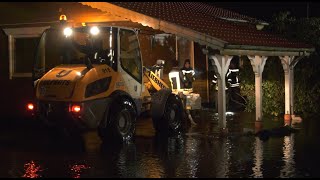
point(121, 121)
point(172, 116)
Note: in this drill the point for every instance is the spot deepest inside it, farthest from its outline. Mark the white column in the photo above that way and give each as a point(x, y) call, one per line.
point(258, 63)
point(221, 65)
point(288, 79)
point(258, 93)
point(292, 91)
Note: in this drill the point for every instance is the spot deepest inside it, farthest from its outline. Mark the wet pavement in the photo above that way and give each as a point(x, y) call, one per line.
point(200, 151)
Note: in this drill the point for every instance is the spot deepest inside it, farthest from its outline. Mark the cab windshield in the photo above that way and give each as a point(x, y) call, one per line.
point(75, 46)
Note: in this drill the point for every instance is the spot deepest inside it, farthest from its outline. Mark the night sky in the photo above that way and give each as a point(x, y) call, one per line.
point(265, 10)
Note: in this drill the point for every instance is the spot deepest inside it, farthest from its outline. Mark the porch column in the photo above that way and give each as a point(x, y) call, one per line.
point(258, 63)
point(221, 65)
point(292, 91)
point(288, 64)
point(288, 73)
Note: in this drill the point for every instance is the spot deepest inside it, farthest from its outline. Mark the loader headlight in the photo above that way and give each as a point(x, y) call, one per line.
point(67, 31)
point(97, 87)
point(94, 30)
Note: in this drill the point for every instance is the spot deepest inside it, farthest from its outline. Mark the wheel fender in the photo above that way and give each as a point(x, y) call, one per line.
point(118, 93)
point(158, 101)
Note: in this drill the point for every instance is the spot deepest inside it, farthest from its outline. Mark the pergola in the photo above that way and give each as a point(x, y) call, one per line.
point(224, 33)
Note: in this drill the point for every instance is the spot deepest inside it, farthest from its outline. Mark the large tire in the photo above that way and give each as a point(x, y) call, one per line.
point(121, 121)
point(172, 117)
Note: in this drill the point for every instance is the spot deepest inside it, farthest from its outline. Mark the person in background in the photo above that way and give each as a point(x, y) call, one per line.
point(187, 74)
point(232, 84)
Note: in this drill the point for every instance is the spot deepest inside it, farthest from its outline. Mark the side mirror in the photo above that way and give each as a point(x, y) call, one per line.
point(88, 63)
point(35, 83)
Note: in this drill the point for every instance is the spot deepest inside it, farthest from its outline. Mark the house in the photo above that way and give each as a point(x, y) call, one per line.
point(188, 28)
point(22, 24)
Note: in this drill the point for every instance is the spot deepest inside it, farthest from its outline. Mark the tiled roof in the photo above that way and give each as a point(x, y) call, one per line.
point(212, 21)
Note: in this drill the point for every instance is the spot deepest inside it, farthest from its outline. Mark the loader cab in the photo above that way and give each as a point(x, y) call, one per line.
point(70, 46)
point(116, 47)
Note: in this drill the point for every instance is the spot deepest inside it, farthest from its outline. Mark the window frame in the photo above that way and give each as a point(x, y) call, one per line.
point(15, 33)
point(119, 49)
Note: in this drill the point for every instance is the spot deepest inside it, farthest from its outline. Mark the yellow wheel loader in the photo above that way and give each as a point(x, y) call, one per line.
point(91, 77)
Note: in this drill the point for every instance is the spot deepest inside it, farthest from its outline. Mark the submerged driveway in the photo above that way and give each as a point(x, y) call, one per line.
point(27, 151)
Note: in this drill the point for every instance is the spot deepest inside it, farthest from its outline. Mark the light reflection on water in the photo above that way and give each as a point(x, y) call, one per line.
point(77, 170)
point(224, 158)
point(190, 163)
point(258, 158)
point(288, 169)
point(32, 170)
point(199, 152)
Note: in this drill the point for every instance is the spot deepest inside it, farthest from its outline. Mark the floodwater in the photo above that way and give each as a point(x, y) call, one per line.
point(26, 151)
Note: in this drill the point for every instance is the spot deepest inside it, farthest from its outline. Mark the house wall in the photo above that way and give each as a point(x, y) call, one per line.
point(16, 92)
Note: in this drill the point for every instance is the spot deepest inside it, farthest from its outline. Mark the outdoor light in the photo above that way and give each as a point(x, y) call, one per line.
point(94, 30)
point(259, 27)
point(67, 31)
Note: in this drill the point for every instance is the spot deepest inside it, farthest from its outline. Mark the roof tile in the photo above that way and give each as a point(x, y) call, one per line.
point(209, 20)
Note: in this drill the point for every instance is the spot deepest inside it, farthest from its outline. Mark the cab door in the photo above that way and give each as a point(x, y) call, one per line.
point(130, 65)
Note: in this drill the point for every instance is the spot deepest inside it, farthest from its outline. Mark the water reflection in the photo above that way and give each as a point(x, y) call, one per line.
point(197, 153)
point(152, 166)
point(121, 159)
point(190, 163)
point(258, 158)
point(170, 150)
point(32, 170)
point(127, 160)
point(157, 157)
point(77, 170)
point(288, 169)
point(224, 158)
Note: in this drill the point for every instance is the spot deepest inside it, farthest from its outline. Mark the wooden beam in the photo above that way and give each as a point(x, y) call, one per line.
point(155, 23)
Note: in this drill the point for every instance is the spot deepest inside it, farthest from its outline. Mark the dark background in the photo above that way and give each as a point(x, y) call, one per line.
point(265, 10)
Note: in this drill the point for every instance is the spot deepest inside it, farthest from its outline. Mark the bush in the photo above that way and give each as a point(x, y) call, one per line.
point(272, 97)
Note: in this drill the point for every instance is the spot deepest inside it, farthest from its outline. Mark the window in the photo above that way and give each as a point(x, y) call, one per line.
point(25, 53)
point(130, 54)
point(22, 48)
point(55, 48)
